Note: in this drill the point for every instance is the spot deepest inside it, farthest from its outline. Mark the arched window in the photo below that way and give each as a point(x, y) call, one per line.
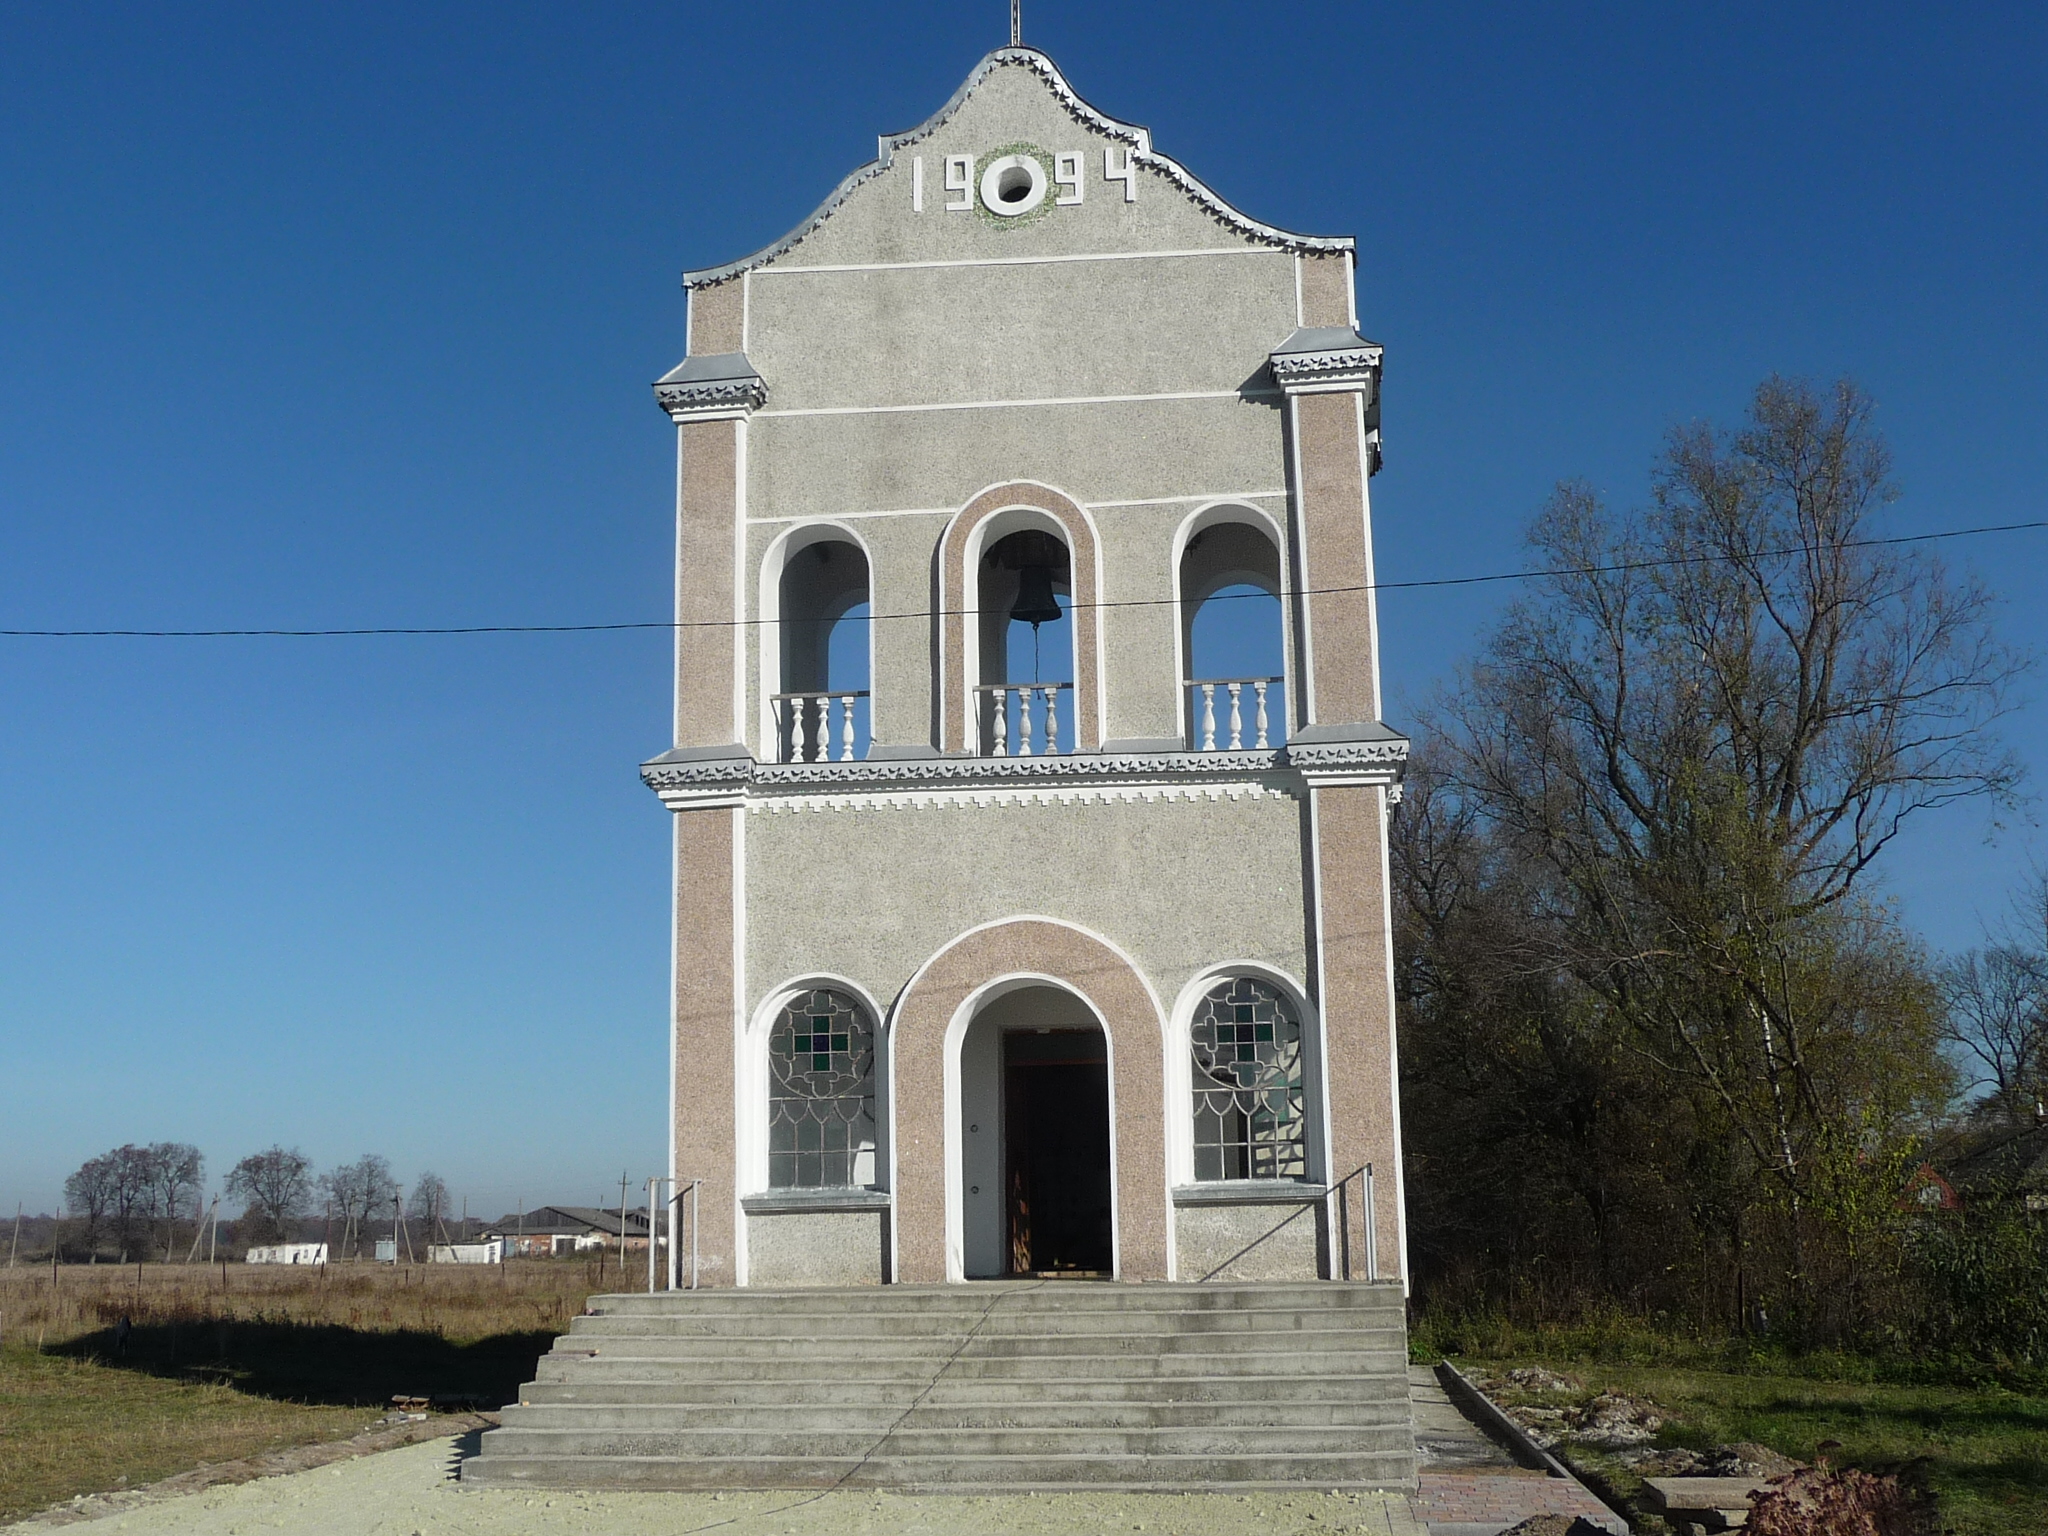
point(821, 709)
point(821, 1094)
point(1249, 1123)
point(1026, 695)
point(1233, 639)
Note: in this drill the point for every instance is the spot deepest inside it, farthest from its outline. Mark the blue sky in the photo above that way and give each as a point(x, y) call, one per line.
point(345, 316)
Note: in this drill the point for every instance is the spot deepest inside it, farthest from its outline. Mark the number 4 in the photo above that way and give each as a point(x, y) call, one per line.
point(1127, 173)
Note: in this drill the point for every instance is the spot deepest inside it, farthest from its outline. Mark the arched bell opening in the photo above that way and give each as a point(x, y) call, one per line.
point(1233, 639)
point(1025, 699)
point(821, 708)
point(1035, 1141)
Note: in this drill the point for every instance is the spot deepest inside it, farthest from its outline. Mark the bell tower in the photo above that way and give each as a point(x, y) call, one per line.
point(1029, 784)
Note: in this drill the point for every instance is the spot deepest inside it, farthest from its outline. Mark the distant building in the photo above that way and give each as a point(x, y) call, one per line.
point(491, 1252)
point(289, 1253)
point(564, 1230)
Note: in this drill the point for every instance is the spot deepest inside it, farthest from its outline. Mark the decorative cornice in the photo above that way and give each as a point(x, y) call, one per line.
point(1326, 358)
point(1141, 152)
point(711, 387)
point(734, 780)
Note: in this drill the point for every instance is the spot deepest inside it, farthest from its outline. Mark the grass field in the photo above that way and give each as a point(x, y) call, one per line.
point(223, 1363)
point(1978, 1444)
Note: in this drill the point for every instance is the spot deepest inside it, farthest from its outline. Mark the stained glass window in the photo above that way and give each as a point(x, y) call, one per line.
point(821, 1094)
point(1247, 1084)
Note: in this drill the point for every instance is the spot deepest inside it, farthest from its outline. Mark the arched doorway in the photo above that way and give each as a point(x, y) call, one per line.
point(1036, 1144)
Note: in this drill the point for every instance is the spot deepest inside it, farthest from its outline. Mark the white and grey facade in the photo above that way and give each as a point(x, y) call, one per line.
point(963, 990)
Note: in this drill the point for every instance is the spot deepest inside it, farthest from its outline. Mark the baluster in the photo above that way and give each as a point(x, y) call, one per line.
point(1002, 726)
point(1236, 719)
point(802, 708)
point(1260, 689)
point(1024, 721)
point(1052, 721)
point(781, 707)
point(846, 728)
point(1208, 717)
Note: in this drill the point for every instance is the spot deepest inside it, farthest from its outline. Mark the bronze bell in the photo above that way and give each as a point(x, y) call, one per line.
point(1035, 603)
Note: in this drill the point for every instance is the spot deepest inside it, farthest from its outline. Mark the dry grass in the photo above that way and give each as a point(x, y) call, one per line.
point(222, 1363)
point(458, 1302)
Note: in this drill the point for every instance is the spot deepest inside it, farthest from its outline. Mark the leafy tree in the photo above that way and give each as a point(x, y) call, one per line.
point(1673, 765)
point(274, 1185)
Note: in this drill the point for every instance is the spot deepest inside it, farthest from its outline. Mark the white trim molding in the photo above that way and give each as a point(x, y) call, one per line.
point(689, 778)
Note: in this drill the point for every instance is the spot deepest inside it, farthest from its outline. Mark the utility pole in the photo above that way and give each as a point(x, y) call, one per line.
point(199, 1231)
point(15, 1247)
point(622, 1226)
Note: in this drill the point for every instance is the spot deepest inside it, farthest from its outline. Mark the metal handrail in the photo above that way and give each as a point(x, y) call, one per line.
point(674, 1267)
point(1202, 712)
point(795, 715)
point(1340, 1223)
point(997, 696)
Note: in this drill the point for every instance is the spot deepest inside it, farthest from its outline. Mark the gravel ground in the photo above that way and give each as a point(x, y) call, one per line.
point(412, 1492)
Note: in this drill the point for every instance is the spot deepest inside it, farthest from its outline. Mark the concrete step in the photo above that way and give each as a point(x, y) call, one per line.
point(875, 1418)
point(983, 1345)
point(704, 1323)
point(986, 1473)
point(1005, 1295)
point(1199, 1440)
point(1094, 1367)
point(1390, 1386)
point(970, 1387)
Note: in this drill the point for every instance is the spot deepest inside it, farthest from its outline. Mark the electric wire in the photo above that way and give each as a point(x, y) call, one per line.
point(1665, 562)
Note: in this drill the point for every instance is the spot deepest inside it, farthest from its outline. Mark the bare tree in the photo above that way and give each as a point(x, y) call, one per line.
point(90, 1193)
point(359, 1190)
point(133, 1189)
point(274, 1185)
point(1700, 734)
point(1997, 1009)
point(428, 1204)
point(176, 1173)
point(133, 1183)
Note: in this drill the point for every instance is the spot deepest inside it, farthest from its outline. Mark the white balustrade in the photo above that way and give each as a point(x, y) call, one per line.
point(1202, 713)
point(1037, 730)
point(804, 726)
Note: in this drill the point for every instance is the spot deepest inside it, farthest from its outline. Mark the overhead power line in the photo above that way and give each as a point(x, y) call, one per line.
point(1662, 563)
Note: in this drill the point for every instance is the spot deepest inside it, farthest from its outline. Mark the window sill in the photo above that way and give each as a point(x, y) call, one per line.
point(779, 1202)
point(1250, 1192)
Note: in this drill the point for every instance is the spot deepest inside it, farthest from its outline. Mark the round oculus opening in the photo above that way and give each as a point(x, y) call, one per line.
point(1013, 184)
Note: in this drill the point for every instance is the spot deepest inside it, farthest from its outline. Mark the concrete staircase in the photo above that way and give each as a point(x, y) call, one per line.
point(970, 1388)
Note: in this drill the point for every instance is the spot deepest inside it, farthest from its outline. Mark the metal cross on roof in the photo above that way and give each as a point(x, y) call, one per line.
point(1016, 22)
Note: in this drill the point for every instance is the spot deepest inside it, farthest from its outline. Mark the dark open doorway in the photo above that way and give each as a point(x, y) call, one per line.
point(1056, 1152)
